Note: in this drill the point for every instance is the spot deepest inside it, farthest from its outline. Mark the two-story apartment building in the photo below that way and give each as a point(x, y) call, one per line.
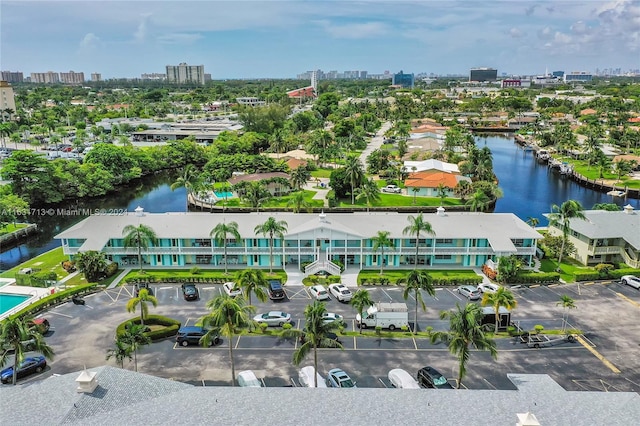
point(460, 240)
point(605, 237)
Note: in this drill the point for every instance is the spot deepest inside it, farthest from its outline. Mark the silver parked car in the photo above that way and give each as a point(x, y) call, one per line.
point(630, 280)
point(470, 292)
point(401, 379)
point(273, 318)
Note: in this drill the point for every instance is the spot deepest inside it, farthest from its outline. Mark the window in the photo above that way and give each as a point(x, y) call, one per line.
point(443, 257)
point(444, 241)
point(518, 242)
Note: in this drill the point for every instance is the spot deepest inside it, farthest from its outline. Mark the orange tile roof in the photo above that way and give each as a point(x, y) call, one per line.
point(295, 163)
point(588, 111)
point(634, 120)
point(431, 179)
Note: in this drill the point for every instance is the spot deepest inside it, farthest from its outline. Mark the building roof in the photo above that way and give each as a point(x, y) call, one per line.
point(433, 179)
point(124, 397)
point(253, 177)
point(295, 163)
point(588, 111)
point(499, 228)
point(431, 164)
point(602, 224)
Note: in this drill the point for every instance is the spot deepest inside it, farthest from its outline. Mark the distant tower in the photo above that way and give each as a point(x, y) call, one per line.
point(314, 81)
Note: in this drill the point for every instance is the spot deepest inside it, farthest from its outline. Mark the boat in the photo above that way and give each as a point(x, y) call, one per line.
point(543, 155)
point(565, 168)
point(616, 193)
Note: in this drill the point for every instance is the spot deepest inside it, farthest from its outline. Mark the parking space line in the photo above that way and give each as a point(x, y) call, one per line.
point(293, 382)
point(237, 342)
point(62, 315)
point(598, 355)
point(355, 345)
point(453, 294)
point(490, 384)
point(387, 294)
point(633, 302)
point(415, 344)
point(383, 383)
point(589, 283)
point(629, 380)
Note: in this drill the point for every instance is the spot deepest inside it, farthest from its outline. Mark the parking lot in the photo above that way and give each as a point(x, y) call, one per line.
point(607, 313)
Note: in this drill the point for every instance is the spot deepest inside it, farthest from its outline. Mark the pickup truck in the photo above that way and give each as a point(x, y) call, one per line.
point(392, 188)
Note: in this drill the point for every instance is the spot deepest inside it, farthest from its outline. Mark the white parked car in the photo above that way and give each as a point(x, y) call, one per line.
point(401, 379)
point(273, 318)
point(392, 189)
point(330, 317)
point(319, 292)
point(248, 379)
point(632, 281)
point(341, 292)
point(305, 376)
point(231, 289)
point(488, 287)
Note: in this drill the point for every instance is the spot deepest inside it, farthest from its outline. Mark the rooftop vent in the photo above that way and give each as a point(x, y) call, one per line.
point(323, 216)
point(628, 209)
point(527, 419)
point(87, 381)
point(440, 211)
point(139, 211)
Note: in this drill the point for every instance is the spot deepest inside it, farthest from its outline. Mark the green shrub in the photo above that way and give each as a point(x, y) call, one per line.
point(171, 326)
point(195, 270)
point(604, 269)
point(586, 275)
point(536, 278)
point(618, 273)
point(111, 269)
point(263, 326)
point(303, 265)
point(54, 299)
point(538, 328)
point(286, 326)
point(331, 199)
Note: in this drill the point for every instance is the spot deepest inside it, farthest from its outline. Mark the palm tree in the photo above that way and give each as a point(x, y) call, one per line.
point(188, 180)
point(272, 228)
point(298, 201)
point(227, 316)
point(561, 218)
point(415, 281)
point(417, 225)
point(314, 335)
point(140, 236)
point(380, 241)
point(120, 351)
point(134, 336)
point(220, 233)
point(361, 300)
point(478, 201)
point(442, 193)
point(299, 177)
point(567, 303)
point(369, 191)
point(501, 298)
point(253, 281)
point(465, 330)
point(354, 172)
point(533, 221)
point(20, 336)
point(142, 299)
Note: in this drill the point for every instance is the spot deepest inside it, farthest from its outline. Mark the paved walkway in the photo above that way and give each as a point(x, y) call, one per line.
point(119, 278)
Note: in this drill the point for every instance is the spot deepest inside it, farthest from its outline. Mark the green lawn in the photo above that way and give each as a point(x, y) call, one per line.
point(593, 172)
point(321, 173)
point(49, 261)
point(167, 274)
point(394, 200)
point(284, 201)
point(10, 227)
point(567, 269)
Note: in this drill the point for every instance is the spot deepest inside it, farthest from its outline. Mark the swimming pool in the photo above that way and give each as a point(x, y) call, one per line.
point(10, 301)
point(224, 194)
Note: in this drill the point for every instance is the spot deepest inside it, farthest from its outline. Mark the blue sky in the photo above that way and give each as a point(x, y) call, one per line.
point(275, 38)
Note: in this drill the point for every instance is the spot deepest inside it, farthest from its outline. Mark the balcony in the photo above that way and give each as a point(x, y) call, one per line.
point(607, 250)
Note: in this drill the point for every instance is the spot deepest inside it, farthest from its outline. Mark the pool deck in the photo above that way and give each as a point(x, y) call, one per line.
point(36, 293)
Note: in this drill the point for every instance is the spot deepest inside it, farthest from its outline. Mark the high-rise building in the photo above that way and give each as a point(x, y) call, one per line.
point(558, 74)
point(402, 79)
point(578, 77)
point(7, 101)
point(48, 77)
point(12, 77)
point(184, 73)
point(96, 76)
point(72, 77)
point(483, 74)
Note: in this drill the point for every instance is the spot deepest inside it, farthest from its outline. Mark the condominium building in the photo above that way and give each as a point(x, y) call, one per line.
point(72, 77)
point(12, 76)
point(481, 75)
point(578, 77)
point(403, 80)
point(7, 100)
point(48, 77)
point(183, 73)
point(95, 76)
point(460, 240)
point(605, 237)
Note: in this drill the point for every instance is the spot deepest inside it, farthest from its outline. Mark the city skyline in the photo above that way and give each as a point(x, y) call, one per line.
point(279, 39)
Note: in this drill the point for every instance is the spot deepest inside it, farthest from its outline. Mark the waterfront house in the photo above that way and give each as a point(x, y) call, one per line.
point(605, 237)
point(462, 239)
point(427, 183)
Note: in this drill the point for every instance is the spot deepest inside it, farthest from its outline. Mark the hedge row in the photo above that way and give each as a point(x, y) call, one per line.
point(315, 279)
point(149, 278)
point(535, 278)
point(611, 274)
point(451, 280)
point(54, 299)
point(171, 326)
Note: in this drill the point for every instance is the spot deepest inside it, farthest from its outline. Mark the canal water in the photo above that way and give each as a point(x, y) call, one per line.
point(529, 187)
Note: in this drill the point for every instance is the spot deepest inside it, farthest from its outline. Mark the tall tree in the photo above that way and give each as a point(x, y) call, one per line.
point(561, 217)
point(253, 281)
point(502, 298)
point(135, 337)
point(478, 201)
point(299, 177)
point(272, 228)
point(227, 316)
point(120, 351)
point(369, 192)
point(298, 202)
point(465, 331)
point(141, 237)
point(314, 335)
point(417, 225)
point(415, 281)
point(355, 174)
point(380, 241)
point(221, 233)
point(187, 180)
point(567, 303)
point(20, 336)
point(443, 191)
point(361, 301)
point(142, 299)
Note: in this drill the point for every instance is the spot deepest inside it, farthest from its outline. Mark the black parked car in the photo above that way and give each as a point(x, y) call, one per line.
point(429, 377)
point(139, 286)
point(190, 292)
point(191, 336)
point(276, 292)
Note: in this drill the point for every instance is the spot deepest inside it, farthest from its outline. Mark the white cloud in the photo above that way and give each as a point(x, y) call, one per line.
point(141, 32)
point(89, 41)
point(179, 38)
point(355, 30)
point(516, 33)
